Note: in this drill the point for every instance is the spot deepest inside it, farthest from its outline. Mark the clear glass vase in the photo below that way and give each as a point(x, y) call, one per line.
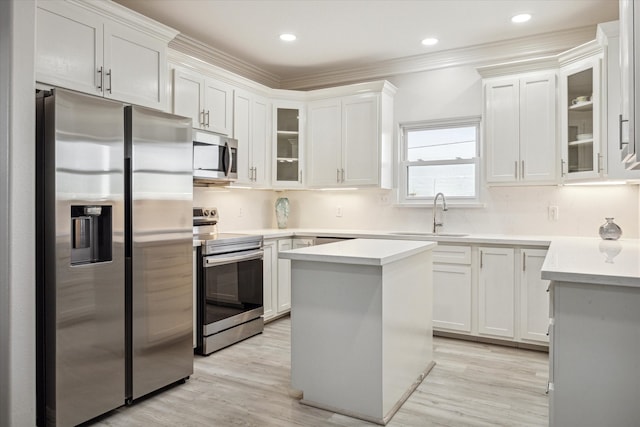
point(610, 230)
point(282, 212)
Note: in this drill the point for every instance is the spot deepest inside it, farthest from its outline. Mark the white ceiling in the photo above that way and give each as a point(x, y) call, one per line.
point(347, 34)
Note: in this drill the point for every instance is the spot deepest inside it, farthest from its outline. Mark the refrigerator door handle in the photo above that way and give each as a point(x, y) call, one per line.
point(212, 261)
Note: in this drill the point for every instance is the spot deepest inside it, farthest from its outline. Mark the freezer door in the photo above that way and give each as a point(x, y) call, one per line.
point(81, 176)
point(160, 155)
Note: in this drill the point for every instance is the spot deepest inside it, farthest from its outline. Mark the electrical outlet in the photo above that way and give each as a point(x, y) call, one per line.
point(384, 199)
point(240, 213)
point(553, 213)
point(338, 211)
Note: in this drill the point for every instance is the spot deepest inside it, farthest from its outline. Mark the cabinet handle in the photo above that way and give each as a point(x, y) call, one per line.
point(516, 169)
point(338, 176)
point(600, 167)
point(109, 74)
point(207, 124)
point(342, 179)
point(202, 118)
point(100, 78)
point(524, 261)
point(522, 170)
point(620, 121)
point(561, 168)
point(480, 259)
point(255, 173)
point(300, 176)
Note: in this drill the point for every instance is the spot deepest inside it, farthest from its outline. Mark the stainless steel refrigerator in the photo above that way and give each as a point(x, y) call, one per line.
point(114, 254)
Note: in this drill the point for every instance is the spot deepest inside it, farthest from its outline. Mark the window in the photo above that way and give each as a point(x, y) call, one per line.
point(440, 157)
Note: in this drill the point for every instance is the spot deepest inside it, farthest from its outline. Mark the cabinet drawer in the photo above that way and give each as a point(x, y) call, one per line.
point(452, 254)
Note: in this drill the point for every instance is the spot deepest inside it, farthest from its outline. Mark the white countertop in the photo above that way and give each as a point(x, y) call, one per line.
point(498, 239)
point(593, 260)
point(360, 251)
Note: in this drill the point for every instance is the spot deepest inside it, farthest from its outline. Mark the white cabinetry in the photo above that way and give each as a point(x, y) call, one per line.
point(520, 128)
point(288, 141)
point(452, 288)
point(630, 88)
point(496, 292)
point(534, 298)
point(102, 49)
point(208, 102)
point(251, 129)
point(270, 278)
point(350, 138)
point(580, 116)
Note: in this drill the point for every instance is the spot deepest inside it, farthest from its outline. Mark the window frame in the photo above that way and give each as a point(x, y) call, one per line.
point(404, 164)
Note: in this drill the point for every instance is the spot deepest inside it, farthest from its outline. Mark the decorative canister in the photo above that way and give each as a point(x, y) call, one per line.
point(610, 230)
point(282, 211)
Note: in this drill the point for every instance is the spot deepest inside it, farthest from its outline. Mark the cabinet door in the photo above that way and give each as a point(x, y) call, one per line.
point(538, 145)
point(628, 88)
point(284, 278)
point(502, 130)
point(360, 140)
point(534, 298)
point(288, 144)
point(242, 132)
point(496, 300)
point(260, 140)
point(580, 119)
point(270, 278)
point(135, 67)
point(188, 92)
point(452, 297)
point(69, 47)
point(324, 144)
point(218, 107)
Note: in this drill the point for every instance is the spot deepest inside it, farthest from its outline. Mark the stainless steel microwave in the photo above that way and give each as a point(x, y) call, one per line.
point(215, 157)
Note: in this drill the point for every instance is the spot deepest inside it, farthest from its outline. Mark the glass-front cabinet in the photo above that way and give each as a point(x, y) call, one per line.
point(580, 118)
point(288, 147)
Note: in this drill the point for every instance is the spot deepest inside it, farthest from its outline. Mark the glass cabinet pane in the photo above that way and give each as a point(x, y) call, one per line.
point(287, 140)
point(580, 120)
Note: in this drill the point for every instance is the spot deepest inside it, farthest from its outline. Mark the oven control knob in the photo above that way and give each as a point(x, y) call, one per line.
point(205, 212)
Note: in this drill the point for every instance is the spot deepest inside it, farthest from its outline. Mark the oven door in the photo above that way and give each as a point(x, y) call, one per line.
point(232, 290)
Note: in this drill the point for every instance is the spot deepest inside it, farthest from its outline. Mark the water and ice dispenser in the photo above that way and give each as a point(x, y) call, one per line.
point(91, 234)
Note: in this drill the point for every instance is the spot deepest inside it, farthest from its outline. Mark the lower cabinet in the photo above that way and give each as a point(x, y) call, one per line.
point(452, 288)
point(491, 292)
point(277, 275)
point(496, 292)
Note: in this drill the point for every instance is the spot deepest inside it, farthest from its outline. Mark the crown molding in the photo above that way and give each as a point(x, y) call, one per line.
point(211, 55)
point(520, 49)
point(547, 44)
point(128, 17)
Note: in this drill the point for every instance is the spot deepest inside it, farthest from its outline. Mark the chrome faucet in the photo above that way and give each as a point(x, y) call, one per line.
point(435, 209)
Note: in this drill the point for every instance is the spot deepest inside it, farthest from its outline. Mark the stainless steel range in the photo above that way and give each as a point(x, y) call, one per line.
point(230, 288)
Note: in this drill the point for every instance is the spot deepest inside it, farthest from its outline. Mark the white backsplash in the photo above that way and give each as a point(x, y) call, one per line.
point(508, 210)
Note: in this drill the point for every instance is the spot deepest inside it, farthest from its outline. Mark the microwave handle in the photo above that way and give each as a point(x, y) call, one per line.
point(212, 261)
point(227, 151)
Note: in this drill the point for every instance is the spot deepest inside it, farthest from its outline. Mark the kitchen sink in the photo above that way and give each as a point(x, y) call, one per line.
point(419, 233)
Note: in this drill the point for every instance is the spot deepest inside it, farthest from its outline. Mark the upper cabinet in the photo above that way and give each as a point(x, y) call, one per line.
point(580, 116)
point(350, 137)
point(251, 127)
point(520, 128)
point(289, 132)
point(208, 102)
point(630, 88)
point(103, 49)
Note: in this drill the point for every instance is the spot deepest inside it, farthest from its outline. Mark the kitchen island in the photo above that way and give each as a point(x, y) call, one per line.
point(361, 334)
point(594, 354)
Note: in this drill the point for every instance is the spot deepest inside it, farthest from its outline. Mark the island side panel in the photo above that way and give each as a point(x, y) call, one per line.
point(336, 336)
point(595, 355)
point(407, 338)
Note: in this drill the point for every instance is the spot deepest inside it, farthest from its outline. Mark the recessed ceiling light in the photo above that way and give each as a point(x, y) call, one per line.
point(523, 17)
point(430, 41)
point(287, 37)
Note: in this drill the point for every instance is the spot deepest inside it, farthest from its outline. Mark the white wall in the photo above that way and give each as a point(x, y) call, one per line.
point(239, 209)
point(17, 206)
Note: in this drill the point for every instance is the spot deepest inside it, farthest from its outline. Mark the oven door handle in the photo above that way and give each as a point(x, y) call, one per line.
point(212, 261)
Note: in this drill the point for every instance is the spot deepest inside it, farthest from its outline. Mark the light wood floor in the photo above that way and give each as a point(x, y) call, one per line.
point(472, 384)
